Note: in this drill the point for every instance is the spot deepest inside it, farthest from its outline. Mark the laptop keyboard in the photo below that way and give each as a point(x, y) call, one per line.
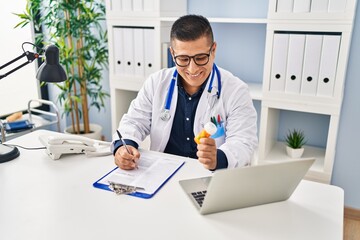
point(199, 197)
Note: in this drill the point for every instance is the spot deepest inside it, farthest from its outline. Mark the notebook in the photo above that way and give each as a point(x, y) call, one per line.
point(230, 189)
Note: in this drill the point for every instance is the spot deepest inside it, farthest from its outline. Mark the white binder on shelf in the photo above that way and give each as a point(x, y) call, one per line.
point(301, 6)
point(311, 64)
point(295, 63)
point(285, 5)
point(126, 5)
point(116, 5)
point(129, 68)
point(337, 5)
point(139, 51)
point(328, 65)
point(279, 62)
point(138, 5)
point(119, 60)
point(149, 5)
point(319, 6)
point(149, 46)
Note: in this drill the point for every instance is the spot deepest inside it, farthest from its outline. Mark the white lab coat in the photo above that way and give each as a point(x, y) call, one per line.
point(234, 106)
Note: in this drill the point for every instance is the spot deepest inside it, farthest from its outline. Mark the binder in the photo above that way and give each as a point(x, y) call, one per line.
point(319, 5)
point(328, 65)
point(337, 5)
point(119, 60)
point(138, 5)
point(145, 181)
point(116, 5)
point(301, 6)
point(129, 68)
point(126, 5)
point(149, 5)
point(279, 61)
point(312, 54)
point(139, 51)
point(295, 63)
point(285, 5)
point(149, 46)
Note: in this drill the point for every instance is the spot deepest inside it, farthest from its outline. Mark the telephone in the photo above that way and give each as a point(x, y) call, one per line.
point(59, 144)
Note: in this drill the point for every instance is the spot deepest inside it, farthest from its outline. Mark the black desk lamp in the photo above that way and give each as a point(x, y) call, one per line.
point(50, 71)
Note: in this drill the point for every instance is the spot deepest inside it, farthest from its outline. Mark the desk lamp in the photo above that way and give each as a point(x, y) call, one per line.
point(50, 71)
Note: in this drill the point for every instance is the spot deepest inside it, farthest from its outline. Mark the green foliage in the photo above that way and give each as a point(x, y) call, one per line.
point(77, 28)
point(295, 138)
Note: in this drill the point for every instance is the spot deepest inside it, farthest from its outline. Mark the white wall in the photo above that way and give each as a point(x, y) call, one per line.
point(19, 87)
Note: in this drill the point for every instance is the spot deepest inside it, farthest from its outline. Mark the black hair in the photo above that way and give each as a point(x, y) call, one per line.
point(191, 27)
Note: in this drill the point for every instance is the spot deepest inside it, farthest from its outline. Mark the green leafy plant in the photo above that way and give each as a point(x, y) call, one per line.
point(76, 28)
point(295, 138)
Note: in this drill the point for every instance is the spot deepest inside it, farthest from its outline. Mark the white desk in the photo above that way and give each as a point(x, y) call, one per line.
point(42, 199)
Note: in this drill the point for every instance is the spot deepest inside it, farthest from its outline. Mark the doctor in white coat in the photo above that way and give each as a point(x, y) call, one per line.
point(174, 105)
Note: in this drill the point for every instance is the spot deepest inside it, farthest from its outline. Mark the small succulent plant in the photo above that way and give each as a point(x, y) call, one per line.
point(295, 138)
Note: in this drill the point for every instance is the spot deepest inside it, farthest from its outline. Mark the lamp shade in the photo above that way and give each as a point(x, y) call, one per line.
point(51, 70)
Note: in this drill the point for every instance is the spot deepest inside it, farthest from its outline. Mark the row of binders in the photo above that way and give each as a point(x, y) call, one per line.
point(304, 64)
point(132, 5)
point(134, 50)
point(311, 6)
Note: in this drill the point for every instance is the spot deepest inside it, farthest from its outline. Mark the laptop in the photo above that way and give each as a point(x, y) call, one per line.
point(230, 189)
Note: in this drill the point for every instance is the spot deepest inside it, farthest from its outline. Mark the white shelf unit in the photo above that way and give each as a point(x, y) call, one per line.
point(326, 21)
point(124, 88)
point(135, 14)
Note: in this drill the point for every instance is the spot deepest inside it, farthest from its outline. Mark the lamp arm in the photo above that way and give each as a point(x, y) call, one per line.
point(30, 56)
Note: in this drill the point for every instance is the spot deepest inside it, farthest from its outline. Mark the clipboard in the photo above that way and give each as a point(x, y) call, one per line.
point(153, 172)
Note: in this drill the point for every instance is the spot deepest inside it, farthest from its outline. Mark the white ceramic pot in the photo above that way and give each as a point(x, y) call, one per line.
point(95, 131)
point(294, 153)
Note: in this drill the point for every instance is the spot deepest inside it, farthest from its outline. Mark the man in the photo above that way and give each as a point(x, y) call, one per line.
point(174, 105)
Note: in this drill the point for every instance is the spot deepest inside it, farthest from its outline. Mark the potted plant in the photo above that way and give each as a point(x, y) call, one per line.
point(295, 139)
point(76, 28)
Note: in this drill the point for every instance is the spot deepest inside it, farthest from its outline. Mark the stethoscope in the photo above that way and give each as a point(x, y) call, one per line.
point(165, 114)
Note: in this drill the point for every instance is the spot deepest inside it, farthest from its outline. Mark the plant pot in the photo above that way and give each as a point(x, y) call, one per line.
point(95, 131)
point(294, 153)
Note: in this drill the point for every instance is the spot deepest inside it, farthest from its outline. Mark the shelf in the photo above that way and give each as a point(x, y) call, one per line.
point(127, 83)
point(278, 154)
point(226, 20)
point(40, 121)
point(255, 91)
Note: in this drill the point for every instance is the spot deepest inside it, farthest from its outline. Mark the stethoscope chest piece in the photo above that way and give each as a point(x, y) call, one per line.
point(165, 115)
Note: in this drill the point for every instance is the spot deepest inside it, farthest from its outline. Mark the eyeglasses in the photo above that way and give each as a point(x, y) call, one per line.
point(200, 59)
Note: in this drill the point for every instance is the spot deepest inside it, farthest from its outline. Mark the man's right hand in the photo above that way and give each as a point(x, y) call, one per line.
point(125, 160)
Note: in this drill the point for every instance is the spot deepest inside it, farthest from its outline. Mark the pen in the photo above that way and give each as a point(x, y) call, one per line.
point(213, 120)
point(124, 143)
point(122, 140)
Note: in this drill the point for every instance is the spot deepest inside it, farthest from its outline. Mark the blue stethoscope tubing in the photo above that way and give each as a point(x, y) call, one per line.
point(166, 112)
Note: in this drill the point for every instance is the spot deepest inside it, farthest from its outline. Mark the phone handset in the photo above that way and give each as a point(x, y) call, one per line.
point(59, 144)
point(70, 139)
